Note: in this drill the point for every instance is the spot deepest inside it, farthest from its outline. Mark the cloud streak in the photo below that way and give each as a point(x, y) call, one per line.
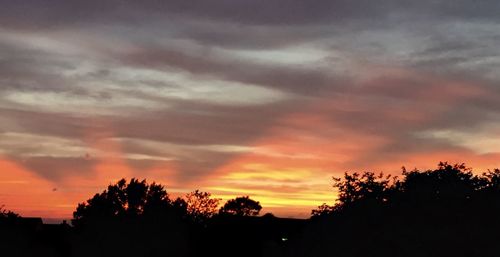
point(241, 97)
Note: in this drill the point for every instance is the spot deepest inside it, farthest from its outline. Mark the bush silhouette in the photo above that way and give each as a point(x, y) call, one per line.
point(7, 214)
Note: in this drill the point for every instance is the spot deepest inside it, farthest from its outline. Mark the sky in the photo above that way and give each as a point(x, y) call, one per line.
point(236, 97)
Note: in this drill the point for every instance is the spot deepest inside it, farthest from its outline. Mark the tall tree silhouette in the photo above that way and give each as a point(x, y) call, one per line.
point(241, 206)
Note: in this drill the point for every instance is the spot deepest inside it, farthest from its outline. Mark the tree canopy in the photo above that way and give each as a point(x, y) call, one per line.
point(241, 206)
point(447, 211)
point(448, 184)
point(133, 199)
point(200, 206)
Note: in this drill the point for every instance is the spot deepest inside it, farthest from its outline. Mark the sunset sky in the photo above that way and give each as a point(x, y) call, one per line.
point(236, 97)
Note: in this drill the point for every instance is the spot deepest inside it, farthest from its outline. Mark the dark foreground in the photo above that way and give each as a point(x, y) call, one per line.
point(444, 212)
point(264, 236)
point(230, 236)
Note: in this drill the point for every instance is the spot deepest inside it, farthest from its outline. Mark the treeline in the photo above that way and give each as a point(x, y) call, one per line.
point(143, 218)
point(447, 211)
point(140, 200)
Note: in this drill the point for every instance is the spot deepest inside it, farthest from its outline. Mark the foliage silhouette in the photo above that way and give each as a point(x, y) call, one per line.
point(241, 206)
point(322, 211)
point(125, 200)
point(200, 206)
point(137, 215)
point(7, 214)
point(447, 211)
point(355, 188)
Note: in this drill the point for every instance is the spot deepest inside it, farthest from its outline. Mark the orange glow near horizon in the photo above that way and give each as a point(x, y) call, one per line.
point(23, 192)
point(288, 168)
point(266, 104)
point(278, 173)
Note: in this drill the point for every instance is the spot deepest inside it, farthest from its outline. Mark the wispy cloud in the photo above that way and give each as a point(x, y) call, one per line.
point(240, 97)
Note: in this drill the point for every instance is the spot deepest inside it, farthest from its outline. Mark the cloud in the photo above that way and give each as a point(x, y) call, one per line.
point(244, 96)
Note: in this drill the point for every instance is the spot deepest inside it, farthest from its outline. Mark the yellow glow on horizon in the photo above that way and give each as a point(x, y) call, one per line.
point(287, 174)
point(271, 199)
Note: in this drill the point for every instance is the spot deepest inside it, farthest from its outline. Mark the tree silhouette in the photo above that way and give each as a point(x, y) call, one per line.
point(131, 218)
point(124, 200)
point(355, 188)
point(241, 206)
point(322, 210)
point(447, 211)
point(200, 206)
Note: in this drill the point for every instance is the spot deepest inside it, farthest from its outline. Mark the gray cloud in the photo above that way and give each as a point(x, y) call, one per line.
point(251, 12)
point(57, 168)
point(174, 72)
